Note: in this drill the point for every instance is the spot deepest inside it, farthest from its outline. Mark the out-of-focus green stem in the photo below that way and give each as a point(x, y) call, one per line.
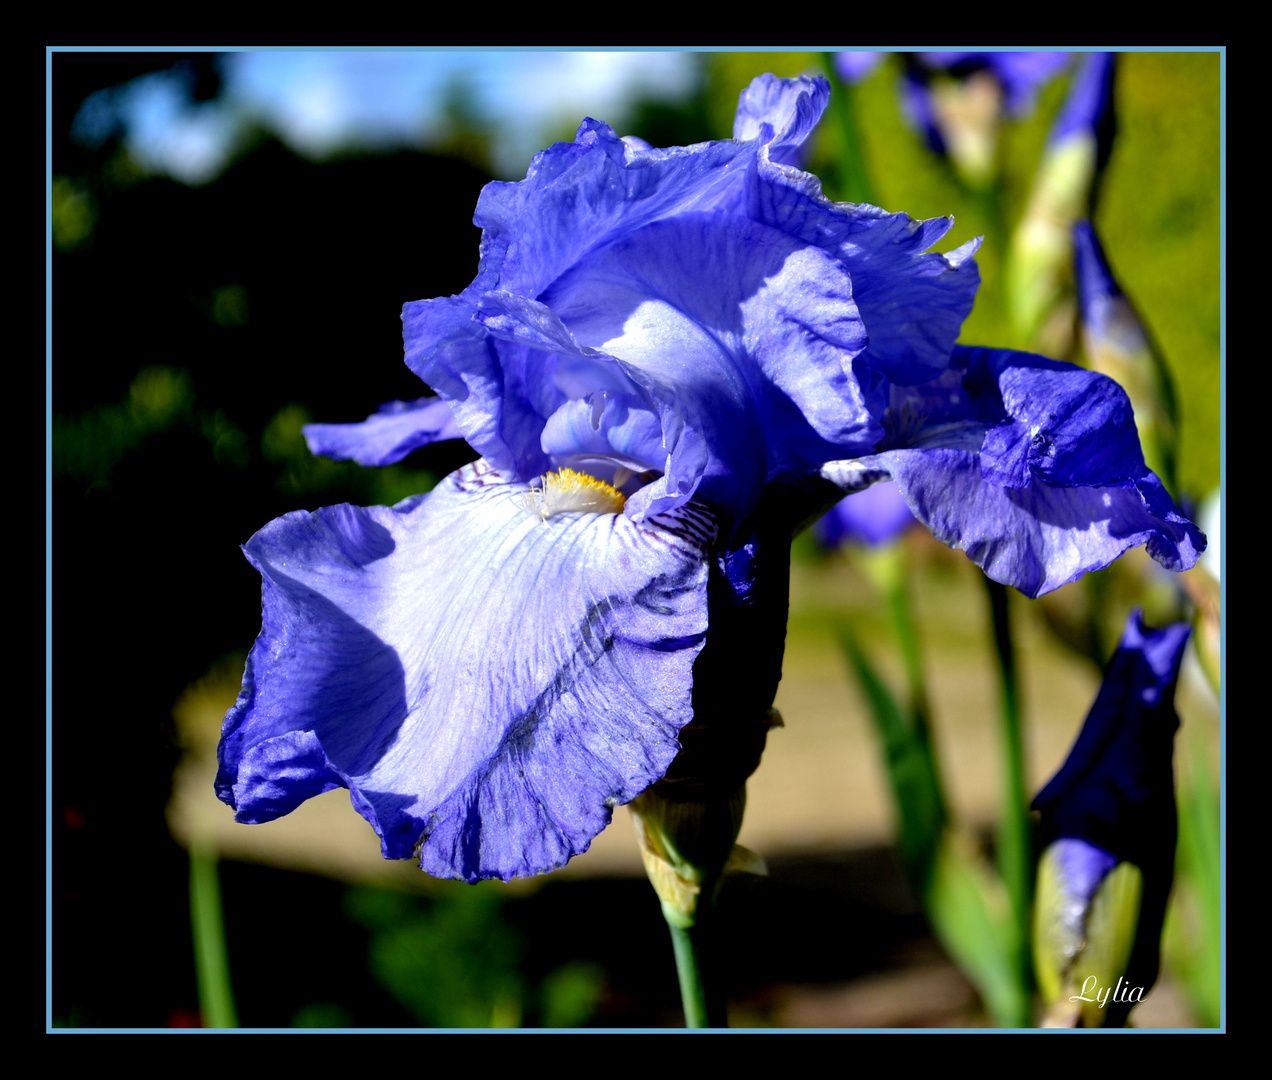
point(211, 958)
point(1015, 866)
point(901, 614)
point(853, 180)
point(1199, 871)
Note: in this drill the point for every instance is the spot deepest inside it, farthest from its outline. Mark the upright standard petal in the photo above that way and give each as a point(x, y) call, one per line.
point(487, 677)
point(580, 196)
point(741, 329)
point(711, 286)
point(789, 107)
point(491, 402)
point(912, 301)
point(576, 198)
point(1030, 466)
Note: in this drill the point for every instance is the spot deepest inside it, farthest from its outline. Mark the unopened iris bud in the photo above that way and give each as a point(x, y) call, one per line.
point(1064, 190)
point(1118, 345)
point(1109, 827)
point(1085, 918)
point(688, 846)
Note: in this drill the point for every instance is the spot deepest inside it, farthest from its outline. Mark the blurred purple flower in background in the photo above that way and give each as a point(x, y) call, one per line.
point(870, 517)
point(852, 67)
point(1017, 75)
point(1020, 74)
point(983, 85)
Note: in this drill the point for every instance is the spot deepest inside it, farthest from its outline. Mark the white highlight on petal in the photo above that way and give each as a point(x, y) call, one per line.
point(851, 476)
point(569, 491)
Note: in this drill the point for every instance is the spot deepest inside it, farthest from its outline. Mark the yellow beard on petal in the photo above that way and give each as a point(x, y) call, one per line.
point(570, 491)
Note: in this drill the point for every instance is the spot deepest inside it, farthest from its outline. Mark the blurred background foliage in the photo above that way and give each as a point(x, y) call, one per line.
point(213, 293)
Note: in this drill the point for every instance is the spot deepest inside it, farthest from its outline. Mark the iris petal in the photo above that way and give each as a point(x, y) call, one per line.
point(580, 196)
point(386, 436)
point(1029, 465)
point(913, 301)
point(605, 426)
point(457, 358)
point(790, 108)
point(488, 684)
point(1039, 537)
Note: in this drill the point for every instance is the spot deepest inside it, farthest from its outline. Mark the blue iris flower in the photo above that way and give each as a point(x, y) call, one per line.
point(668, 361)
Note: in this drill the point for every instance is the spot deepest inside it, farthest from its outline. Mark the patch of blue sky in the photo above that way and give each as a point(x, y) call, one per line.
point(322, 103)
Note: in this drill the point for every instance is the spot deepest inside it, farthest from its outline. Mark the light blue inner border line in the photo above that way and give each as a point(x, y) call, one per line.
point(48, 566)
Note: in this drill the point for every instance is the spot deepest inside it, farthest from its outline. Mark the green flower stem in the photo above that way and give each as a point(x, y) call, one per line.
point(1199, 874)
point(1015, 865)
point(211, 958)
point(686, 846)
point(699, 990)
